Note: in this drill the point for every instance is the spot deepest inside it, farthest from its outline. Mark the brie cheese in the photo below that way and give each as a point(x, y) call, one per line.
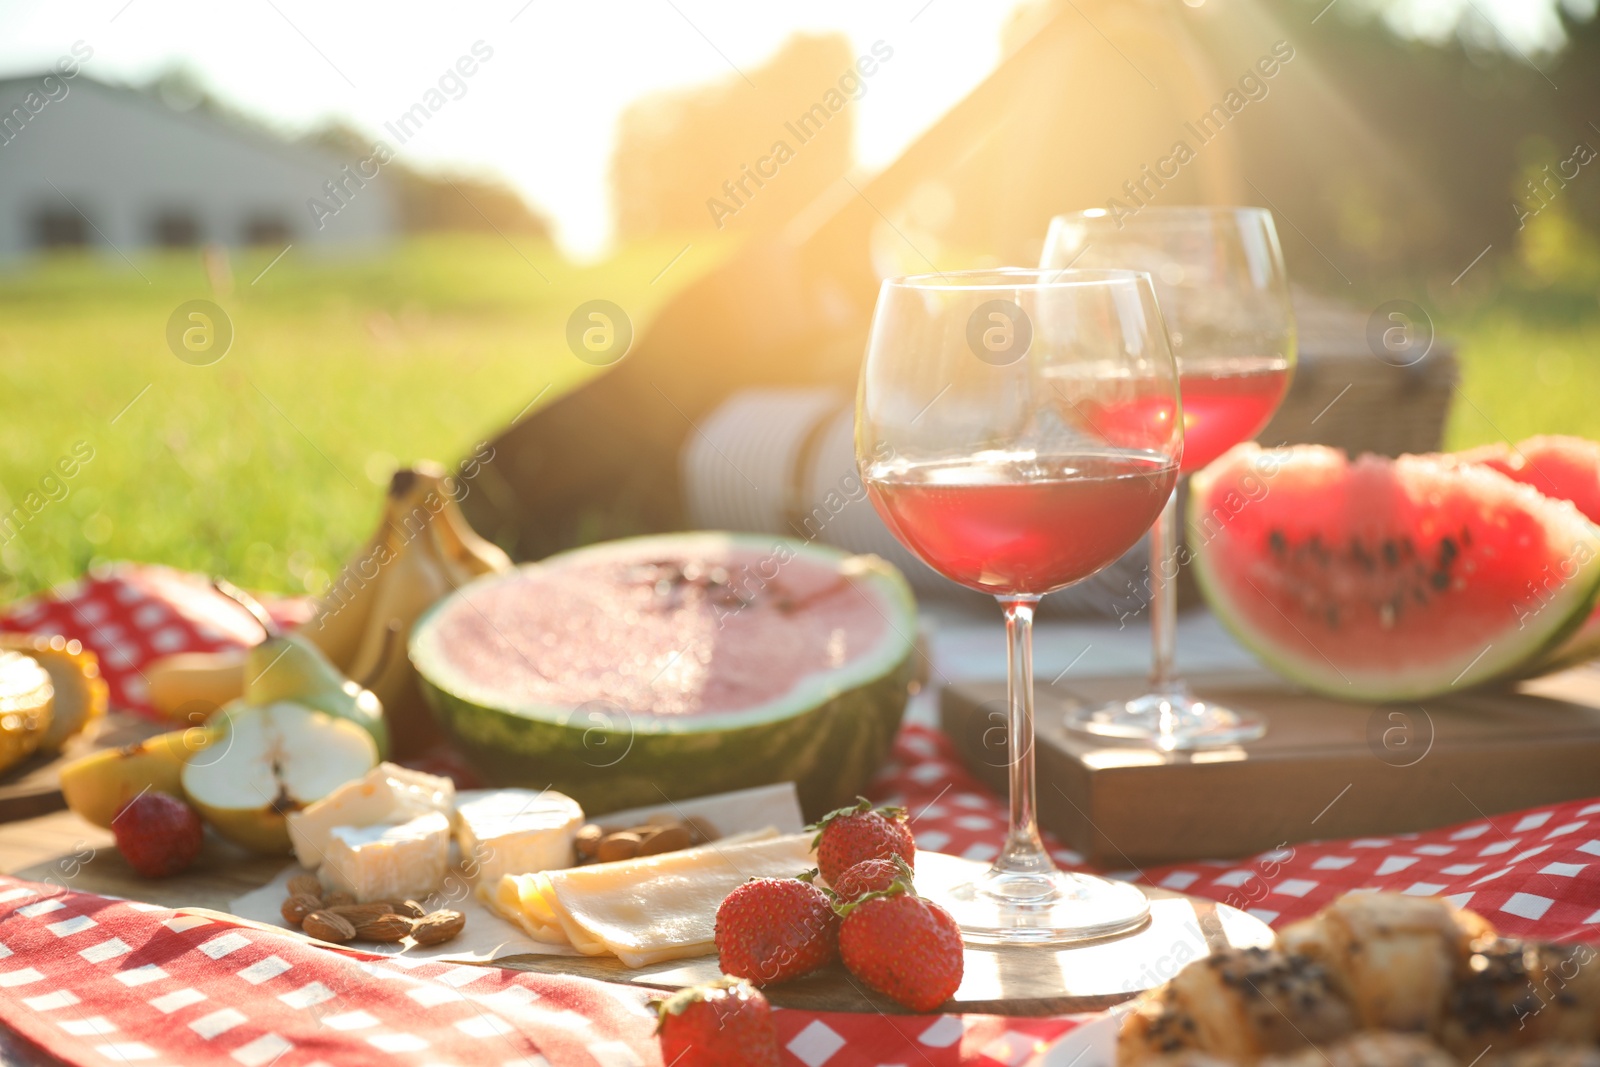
point(645, 910)
point(517, 831)
point(388, 793)
point(388, 861)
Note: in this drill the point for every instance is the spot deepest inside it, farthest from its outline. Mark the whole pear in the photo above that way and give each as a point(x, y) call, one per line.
point(289, 668)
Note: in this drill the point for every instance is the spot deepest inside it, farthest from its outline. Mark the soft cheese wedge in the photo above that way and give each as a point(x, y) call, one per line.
point(388, 861)
point(517, 831)
point(388, 793)
point(645, 910)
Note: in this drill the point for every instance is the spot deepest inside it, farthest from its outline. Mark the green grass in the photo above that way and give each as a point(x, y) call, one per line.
point(267, 465)
point(1526, 368)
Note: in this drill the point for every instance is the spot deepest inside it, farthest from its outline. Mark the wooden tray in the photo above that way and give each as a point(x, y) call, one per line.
point(61, 849)
point(1325, 769)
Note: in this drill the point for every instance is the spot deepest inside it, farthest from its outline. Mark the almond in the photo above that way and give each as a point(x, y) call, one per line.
point(338, 899)
point(438, 927)
point(359, 913)
point(297, 907)
point(665, 839)
point(410, 909)
point(701, 831)
point(305, 885)
point(622, 845)
point(326, 926)
point(589, 841)
point(384, 928)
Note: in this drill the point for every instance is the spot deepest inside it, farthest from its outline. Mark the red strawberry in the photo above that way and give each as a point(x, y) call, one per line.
point(723, 1024)
point(850, 835)
point(157, 834)
point(903, 946)
point(770, 930)
point(871, 876)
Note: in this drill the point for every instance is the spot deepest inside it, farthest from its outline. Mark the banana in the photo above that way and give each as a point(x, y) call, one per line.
point(423, 549)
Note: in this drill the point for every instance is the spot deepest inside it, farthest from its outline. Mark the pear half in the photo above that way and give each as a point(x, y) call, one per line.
point(272, 760)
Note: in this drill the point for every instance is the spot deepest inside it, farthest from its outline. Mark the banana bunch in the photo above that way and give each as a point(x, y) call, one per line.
point(422, 549)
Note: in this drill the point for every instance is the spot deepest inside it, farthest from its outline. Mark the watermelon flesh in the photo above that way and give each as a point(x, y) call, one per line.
point(675, 666)
point(1564, 468)
point(1379, 579)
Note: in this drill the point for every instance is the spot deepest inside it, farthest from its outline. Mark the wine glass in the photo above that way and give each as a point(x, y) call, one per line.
point(1019, 430)
point(1224, 293)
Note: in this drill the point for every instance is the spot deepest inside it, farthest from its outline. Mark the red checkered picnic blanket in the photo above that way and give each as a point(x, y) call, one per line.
point(96, 981)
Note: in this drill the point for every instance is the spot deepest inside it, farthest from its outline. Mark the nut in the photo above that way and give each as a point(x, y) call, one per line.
point(410, 909)
point(589, 841)
point(438, 927)
point(623, 845)
point(297, 907)
point(665, 839)
point(305, 885)
point(360, 913)
point(326, 926)
point(384, 928)
point(701, 831)
point(338, 899)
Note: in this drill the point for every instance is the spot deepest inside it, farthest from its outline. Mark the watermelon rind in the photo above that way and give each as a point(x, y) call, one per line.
point(1507, 657)
point(828, 735)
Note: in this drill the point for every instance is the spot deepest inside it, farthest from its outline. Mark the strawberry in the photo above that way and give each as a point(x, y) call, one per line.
point(902, 946)
point(870, 876)
point(723, 1024)
point(850, 835)
point(157, 834)
point(771, 930)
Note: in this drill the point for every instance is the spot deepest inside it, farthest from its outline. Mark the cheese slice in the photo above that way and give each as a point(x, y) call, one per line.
point(645, 910)
point(388, 793)
point(388, 861)
point(517, 831)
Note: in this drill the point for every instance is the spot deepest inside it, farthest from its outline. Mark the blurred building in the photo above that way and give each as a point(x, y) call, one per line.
point(86, 164)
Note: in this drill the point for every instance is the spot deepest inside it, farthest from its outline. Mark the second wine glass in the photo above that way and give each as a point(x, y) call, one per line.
point(1224, 296)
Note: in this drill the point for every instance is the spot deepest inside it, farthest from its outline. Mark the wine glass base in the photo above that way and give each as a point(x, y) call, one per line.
point(1173, 721)
point(1039, 907)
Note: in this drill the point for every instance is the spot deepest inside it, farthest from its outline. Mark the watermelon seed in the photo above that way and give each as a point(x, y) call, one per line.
point(1276, 541)
point(1391, 554)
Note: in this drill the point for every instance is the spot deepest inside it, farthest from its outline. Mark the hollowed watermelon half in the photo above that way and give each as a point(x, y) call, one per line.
point(656, 668)
point(1378, 579)
point(1565, 468)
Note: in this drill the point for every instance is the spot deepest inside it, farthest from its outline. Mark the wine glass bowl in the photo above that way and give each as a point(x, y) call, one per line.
point(1219, 276)
point(1019, 430)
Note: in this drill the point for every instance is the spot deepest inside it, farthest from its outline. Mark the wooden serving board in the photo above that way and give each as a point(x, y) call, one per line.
point(998, 980)
point(1325, 769)
point(61, 849)
point(33, 787)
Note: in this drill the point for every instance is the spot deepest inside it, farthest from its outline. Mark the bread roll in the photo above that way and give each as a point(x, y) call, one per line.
point(1237, 1005)
point(1394, 958)
point(1516, 994)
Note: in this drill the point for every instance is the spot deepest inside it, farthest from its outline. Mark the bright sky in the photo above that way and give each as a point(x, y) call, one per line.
point(542, 112)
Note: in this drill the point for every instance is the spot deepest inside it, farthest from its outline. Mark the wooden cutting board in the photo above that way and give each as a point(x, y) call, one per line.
point(61, 849)
point(1325, 769)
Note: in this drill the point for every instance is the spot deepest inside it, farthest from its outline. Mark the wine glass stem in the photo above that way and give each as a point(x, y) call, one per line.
point(1164, 601)
point(1024, 851)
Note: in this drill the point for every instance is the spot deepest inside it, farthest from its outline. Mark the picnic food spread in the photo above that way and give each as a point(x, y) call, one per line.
point(807, 682)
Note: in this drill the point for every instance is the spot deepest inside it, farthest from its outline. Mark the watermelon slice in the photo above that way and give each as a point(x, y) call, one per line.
point(674, 666)
point(1378, 579)
point(1565, 468)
